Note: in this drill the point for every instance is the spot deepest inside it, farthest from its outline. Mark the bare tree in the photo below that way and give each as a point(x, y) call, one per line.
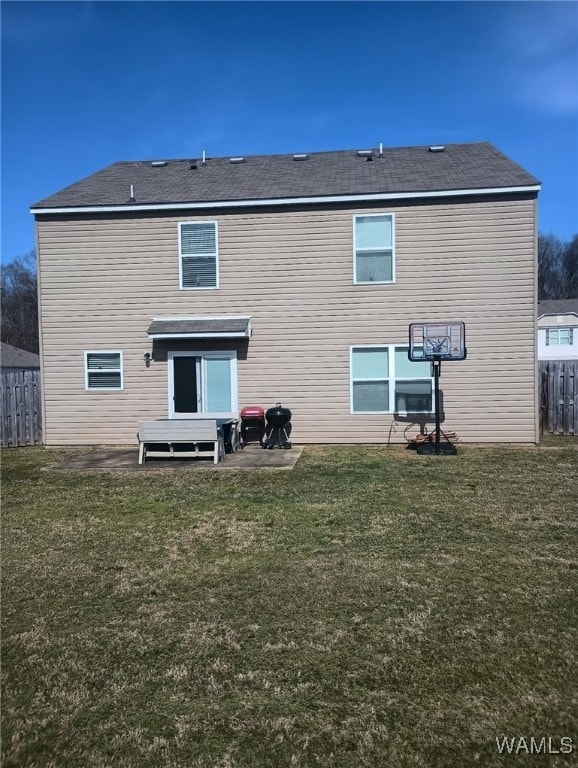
point(550, 250)
point(19, 303)
point(570, 269)
point(557, 268)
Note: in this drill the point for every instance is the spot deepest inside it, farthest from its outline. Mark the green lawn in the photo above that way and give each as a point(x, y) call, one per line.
point(369, 608)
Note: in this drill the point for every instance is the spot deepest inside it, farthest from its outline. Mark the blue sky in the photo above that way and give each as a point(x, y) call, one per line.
point(87, 83)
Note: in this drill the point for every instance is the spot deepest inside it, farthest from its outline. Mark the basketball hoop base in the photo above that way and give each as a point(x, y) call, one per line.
point(431, 449)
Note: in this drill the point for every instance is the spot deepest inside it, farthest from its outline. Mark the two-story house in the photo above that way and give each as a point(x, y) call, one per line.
point(178, 287)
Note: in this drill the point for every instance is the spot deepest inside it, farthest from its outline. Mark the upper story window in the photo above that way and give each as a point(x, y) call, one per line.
point(558, 336)
point(103, 370)
point(384, 380)
point(373, 244)
point(198, 255)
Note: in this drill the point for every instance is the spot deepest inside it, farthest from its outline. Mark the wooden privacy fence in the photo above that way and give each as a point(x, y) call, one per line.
point(21, 415)
point(558, 382)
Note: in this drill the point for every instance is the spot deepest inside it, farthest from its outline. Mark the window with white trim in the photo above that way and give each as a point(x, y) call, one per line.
point(373, 246)
point(559, 336)
point(384, 380)
point(103, 370)
point(198, 254)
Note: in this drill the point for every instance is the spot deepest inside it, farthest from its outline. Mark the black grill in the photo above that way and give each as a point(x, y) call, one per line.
point(278, 427)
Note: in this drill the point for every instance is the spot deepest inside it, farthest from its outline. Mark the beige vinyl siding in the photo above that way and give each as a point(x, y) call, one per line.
point(103, 279)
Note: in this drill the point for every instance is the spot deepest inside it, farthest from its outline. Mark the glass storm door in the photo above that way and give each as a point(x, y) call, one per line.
point(204, 382)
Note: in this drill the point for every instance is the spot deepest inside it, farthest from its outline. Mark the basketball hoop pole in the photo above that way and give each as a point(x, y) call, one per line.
point(437, 446)
point(437, 369)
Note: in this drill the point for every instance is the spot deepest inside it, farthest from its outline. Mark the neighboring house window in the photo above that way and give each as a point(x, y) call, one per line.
point(374, 249)
point(202, 382)
point(384, 380)
point(103, 370)
point(558, 336)
point(198, 255)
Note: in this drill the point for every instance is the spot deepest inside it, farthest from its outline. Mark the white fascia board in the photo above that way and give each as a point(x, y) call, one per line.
point(555, 314)
point(286, 201)
point(220, 335)
point(182, 318)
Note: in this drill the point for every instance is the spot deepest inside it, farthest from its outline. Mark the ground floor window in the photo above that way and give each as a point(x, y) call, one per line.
point(384, 380)
point(103, 370)
point(202, 382)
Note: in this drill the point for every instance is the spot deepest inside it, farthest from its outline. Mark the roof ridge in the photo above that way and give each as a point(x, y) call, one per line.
point(348, 150)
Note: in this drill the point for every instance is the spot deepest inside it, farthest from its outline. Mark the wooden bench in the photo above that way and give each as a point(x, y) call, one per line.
point(203, 435)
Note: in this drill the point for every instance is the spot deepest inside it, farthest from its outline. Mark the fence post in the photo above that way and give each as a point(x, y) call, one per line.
point(543, 398)
point(571, 403)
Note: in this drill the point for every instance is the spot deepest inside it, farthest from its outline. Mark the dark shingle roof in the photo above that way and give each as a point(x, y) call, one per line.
point(557, 307)
point(219, 326)
point(12, 357)
point(270, 177)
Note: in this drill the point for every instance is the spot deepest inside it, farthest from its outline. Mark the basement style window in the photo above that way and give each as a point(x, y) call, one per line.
point(558, 336)
point(103, 370)
point(198, 255)
point(384, 380)
point(373, 248)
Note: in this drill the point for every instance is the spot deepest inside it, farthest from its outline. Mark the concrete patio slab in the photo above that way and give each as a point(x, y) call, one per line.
point(113, 459)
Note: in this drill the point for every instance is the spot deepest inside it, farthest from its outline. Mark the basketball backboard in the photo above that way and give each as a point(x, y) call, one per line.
point(437, 341)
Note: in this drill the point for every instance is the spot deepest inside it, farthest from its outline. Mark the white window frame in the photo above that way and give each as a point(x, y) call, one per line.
point(188, 255)
point(104, 370)
point(213, 354)
point(550, 343)
point(391, 378)
point(355, 249)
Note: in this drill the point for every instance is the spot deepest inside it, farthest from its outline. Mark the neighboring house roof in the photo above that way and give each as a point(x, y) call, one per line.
point(12, 357)
point(402, 171)
point(558, 307)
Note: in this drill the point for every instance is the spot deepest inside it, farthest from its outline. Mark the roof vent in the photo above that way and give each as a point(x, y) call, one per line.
point(132, 198)
point(364, 152)
point(300, 157)
point(437, 148)
point(158, 163)
point(193, 166)
point(237, 160)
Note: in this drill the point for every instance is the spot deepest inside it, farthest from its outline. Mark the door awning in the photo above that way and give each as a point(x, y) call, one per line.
point(200, 327)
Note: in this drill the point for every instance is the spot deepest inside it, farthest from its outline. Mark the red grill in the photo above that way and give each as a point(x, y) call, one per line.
point(252, 420)
point(252, 412)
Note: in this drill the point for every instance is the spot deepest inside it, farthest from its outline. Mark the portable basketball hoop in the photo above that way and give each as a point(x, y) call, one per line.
point(437, 342)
